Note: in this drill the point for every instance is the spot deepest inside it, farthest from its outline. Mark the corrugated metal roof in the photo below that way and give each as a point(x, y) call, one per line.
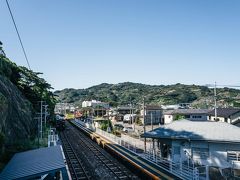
point(33, 162)
point(197, 130)
point(187, 111)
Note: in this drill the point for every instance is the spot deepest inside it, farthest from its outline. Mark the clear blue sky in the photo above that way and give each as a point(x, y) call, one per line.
point(80, 43)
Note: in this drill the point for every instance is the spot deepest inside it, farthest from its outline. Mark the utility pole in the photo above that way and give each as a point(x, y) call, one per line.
point(130, 111)
point(144, 128)
point(65, 111)
point(38, 119)
point(215, 100)
point(38, 127)
point(151, 121)
point(102, 111)
point(133, 120)
point(41, 119)
point(97, 111)
point(45, 115)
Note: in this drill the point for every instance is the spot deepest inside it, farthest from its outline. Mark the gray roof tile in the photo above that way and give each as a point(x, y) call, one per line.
point(197, 130)
point(224, 112)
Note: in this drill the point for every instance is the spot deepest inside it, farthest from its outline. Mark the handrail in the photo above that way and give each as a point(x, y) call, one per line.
point(178, 169)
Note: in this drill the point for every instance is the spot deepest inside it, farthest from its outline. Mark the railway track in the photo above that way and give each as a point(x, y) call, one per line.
point(76, 167)
point(139, 165)
point(100, 164)
point(114, 168)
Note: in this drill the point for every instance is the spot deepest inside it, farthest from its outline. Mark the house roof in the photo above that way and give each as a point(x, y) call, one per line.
point(197, 130)
point(125, 108)
point(187, 111)
point(153, 107)
point(33, 163)
point(224, 112)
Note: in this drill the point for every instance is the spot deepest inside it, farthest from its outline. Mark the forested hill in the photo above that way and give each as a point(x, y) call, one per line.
point(21, 90)
point(124, 93)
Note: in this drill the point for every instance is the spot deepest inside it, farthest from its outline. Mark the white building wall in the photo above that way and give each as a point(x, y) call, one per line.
point(230, 120)
point(86, 104)
point(217, 153)
point(94, 104)
point(221, 119)
point(168, 119)
point(129, 117)
point(193, 117)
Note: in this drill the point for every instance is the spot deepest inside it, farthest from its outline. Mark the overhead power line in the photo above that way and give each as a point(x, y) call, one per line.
point(19, 37)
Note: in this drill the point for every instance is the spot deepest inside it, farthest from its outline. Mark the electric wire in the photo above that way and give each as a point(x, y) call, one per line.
point(19, 37)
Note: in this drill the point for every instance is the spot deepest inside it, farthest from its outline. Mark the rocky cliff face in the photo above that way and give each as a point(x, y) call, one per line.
point(16, 122)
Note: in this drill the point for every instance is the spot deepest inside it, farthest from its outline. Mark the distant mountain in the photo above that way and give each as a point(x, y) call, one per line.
point(124, 93)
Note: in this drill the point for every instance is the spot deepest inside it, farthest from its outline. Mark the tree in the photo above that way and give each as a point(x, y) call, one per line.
point(179, 117)
point(2, 53)
point(32, 86)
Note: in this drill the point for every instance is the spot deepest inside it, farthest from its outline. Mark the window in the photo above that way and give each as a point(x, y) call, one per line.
point(200, 153)
point(233, 156)
point(195, 117)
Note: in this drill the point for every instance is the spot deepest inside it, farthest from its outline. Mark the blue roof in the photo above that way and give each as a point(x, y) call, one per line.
point(34, 163)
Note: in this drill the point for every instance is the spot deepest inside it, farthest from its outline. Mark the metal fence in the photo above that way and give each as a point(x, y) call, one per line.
point(135, 145)
point(52, 137)
point(52, 140)
point(178, 169)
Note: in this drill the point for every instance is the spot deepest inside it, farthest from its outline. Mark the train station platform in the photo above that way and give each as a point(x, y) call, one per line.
point(35, 164)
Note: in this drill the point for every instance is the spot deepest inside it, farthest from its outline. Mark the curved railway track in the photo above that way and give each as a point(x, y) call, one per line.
point(82, 144)
point(139, 165)
point(76, 167)
point(114, 168)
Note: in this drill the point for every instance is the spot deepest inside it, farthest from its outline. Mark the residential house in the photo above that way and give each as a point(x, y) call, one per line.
point(63, 108)
point(153, 114)
point(98, 108)
point(190, 114)
point(125, 110)
point(130, 118)
point(95, 103)
point(100, 111)
point(176, 106)
point(229, 115)
point(121, 111)
point(171, 107)
point(200, 143)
